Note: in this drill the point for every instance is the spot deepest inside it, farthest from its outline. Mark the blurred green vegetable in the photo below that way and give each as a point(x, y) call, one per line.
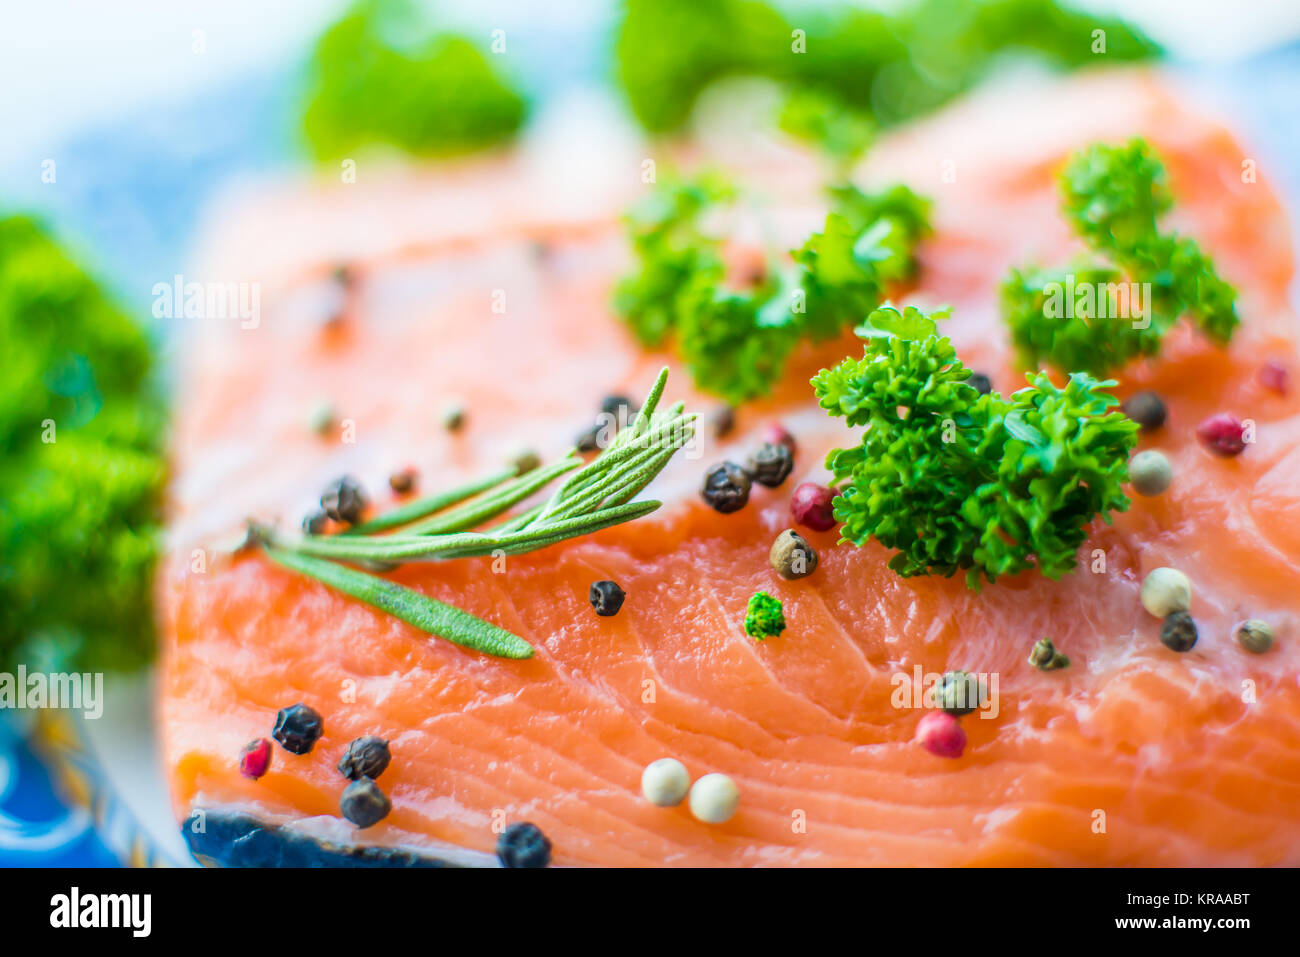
point(380, 75)
point(892, 66)
point(1113, 197)
point(81, 431)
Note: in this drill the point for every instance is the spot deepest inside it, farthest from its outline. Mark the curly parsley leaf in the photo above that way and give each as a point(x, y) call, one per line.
point(955, 480)
point(1100, 317)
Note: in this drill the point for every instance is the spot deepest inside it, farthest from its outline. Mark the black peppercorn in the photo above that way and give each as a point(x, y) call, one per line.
point(606, 597)
point(366, 757)
point(364, 804)
point(523, 845)
point(343, 500)
point(589, 440)
point(619, 408)
point(298, 728)
point(1146, 409)
point(982, 383)
point(315, 523)
point(726, 487)
point(1178, 633)
point(722, 420)
point(771, 465)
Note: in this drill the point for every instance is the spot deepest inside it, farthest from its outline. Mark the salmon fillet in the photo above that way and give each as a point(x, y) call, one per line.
point(1132, 755)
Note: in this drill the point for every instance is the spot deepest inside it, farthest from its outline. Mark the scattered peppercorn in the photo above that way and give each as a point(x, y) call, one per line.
point(1222, 434)
point(941, 734)
point(366, 757)
point(774, 433)
point(1146, 409)
point(589, 440)
point(764, 617)
point(364, 804)
point(722, 420)
point(255, 758)
point(959, 693)
point(982, 383)
point(606, 597)
point(523, 845)
point(321, 417)
point(1273, 375)
point(726, 487)
point(298, 728)
point(665, 782)
point(343, 500)
point(315, 523)
point(403, 480)
point(811, 506)
point(714, 798)
point(791, 555)
point(1255, 636)
point(452, 416)
point(1150, 473)
point(524, 460)
point(1178, 633)
point(620, 410)
point(1045, 657)
point(1165, 591)
point(770, 465)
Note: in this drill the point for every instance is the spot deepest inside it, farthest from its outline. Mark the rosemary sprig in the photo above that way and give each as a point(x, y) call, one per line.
point(425, 613)
point(596, 497)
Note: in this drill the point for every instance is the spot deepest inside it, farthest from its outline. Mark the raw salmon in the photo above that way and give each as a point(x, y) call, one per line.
point(1132, 755)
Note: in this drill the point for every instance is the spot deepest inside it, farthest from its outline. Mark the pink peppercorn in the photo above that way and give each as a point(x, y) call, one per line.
point(774, 433)
point(1223, 434)
point(811, 506)
point(941, 734)
point(1274, 375)
point(255, 758)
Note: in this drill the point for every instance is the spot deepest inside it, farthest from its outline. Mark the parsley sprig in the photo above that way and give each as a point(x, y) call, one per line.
point(1113, 197)
point(736, 342)
point(953, 479)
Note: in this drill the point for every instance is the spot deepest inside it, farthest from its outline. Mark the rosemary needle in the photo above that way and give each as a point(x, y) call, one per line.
point(427, 614)
point(428, 505)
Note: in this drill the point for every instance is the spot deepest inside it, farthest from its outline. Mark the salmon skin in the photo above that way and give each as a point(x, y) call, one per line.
point(1133, 755)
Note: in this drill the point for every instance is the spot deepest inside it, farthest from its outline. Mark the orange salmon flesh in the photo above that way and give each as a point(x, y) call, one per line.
point(1132, 755)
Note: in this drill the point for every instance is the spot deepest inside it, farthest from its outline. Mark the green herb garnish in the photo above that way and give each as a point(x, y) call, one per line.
point(893, 66)
point(735, 342)
point(595, 497)
point(1096, 316)
point(954, 479)
point(81, 470)
point(764, 617)
point(379, 75)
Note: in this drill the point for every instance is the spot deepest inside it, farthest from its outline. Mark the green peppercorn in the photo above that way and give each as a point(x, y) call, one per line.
point(791, 555)
point(1150, 473)
point(770, 465)
point(1178, 633)
point(524, 460)
point(959, 693)
point(453, 416)
point(726, 487)
point(1045, 657)
point(321, 417)
point(364, 804)
point(1255, 636)
point(722, 420)
point(366, 757)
